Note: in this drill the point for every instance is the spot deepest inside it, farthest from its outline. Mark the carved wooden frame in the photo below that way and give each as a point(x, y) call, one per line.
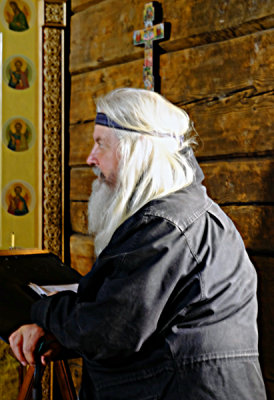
point(53, 34)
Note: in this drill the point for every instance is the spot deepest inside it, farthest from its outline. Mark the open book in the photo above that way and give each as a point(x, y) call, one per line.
point(47, 290)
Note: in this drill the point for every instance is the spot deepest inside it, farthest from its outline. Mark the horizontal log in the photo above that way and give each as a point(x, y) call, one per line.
point(213, 71)
point(236, 125)
point(87, 87)
point(204, 73)
point(81, 143)
point(82, 253)
point(227, 181)
point(239, 181)
point(255, 223)
point(79, 5)
point(265, 271)
point(102, 33)
point(80, 183)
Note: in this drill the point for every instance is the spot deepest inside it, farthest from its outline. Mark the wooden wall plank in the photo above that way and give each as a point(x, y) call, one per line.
point(207, 73)
point(213, 71)
point(81, 253)
point(227, 181)
point(80, 183)
point(239, 181)
point(81, 143)
point(254, 224)
point(85, 88)
point(109, 40)
point(238, 124)
point(79, 5)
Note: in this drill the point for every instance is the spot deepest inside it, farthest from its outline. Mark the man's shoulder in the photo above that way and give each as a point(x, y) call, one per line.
point(181, 208)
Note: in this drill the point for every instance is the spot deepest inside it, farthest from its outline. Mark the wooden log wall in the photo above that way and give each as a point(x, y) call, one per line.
point(219, 66)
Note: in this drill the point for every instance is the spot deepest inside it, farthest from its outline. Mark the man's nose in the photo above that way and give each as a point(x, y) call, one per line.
point(92, 160)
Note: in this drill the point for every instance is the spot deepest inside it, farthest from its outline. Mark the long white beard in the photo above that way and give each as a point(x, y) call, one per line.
point(100, 210)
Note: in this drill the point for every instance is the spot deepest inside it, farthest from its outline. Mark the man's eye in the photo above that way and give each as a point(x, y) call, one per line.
point(99, 144)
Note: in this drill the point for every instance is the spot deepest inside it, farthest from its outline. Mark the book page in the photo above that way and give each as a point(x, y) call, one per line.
point(46, 290)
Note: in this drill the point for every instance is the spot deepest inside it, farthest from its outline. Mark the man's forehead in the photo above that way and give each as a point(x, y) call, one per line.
point(103, 133)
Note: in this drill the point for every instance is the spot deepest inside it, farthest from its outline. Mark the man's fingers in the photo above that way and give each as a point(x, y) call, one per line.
point(16, 343)
point(23, 342)
point(52, 352)
point(29, 353)
point(46, 357)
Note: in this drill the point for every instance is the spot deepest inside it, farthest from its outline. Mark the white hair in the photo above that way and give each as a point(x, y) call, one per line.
point(152, 164)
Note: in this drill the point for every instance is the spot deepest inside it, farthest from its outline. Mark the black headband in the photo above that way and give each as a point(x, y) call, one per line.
point(103, 119)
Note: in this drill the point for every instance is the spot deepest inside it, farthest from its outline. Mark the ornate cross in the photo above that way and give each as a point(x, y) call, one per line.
point(147, 37)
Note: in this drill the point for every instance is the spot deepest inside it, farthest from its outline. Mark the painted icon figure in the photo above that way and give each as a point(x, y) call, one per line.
point(18, 21)
point(18, 137)
point(18, 75)
point(18, 203)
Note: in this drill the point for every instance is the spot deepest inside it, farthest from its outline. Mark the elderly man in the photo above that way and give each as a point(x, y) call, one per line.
point(169, 309)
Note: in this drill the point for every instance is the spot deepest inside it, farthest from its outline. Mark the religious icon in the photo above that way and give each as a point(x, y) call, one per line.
point(148, 62)
point(18, 199)
point(148, 78)
point(18, 74)
point(159, 31)
point(137, 37)
point(149, 35)
point(17, 15)
point(18, 135)
point(148, 14)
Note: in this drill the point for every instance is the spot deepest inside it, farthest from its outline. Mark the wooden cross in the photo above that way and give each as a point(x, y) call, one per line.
point(147, 37)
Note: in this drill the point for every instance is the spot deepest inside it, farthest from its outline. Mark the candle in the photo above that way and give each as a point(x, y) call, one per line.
point(12, 240)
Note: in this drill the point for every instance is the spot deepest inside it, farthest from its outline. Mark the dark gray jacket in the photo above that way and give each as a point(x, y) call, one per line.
point(168, 310)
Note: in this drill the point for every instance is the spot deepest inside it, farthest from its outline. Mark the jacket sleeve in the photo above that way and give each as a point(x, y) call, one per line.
point(139, 272)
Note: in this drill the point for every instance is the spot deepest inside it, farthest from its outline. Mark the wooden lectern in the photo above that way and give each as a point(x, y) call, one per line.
point(17, 269)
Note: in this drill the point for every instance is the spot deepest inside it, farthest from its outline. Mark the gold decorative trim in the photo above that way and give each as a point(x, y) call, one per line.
point(55, 13)
point(52, 147)
point(53, 129)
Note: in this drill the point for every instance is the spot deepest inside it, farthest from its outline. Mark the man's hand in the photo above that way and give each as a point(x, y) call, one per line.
point(24, 341)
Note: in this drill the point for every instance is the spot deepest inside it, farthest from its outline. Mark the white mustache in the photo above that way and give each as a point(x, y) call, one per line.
point(96, 171)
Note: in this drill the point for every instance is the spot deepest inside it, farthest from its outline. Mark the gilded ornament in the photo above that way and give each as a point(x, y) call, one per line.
point(55, 13)
point(52, 140)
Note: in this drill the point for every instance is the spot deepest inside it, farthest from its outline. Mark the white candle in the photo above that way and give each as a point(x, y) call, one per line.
point(12, 240)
